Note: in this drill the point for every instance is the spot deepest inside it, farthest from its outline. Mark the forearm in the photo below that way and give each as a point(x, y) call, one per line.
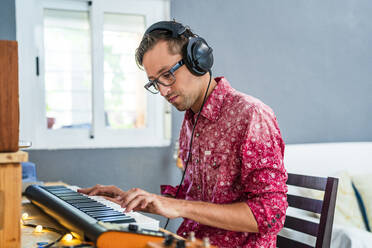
point(234, 217)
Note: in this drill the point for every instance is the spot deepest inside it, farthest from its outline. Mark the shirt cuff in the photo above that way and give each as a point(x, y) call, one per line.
point(171, 191)
point(270, 219)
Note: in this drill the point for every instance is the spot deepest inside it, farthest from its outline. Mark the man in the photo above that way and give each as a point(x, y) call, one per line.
point(234, 190)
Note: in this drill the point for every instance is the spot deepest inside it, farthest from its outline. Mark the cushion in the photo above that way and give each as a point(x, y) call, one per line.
point(347, 210)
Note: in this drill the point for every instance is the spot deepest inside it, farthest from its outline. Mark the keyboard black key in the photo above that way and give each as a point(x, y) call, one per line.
point(61, 191)
point(80, 201)
point(77, 197)
point(95, 209)
point(104, 214)
point(54, 187)
point(114, 218)
point(68, 194)
point(89, 211)
point(87, 205)
point(51, 188)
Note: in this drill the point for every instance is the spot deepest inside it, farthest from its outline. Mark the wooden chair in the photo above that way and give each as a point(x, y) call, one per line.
point(322, 231)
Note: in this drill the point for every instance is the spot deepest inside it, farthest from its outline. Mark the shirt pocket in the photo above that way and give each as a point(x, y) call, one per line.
point(215, 166)
point(214, 159)
point(217, 180)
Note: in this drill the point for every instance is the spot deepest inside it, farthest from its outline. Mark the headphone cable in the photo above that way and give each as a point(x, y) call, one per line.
point(192, 137)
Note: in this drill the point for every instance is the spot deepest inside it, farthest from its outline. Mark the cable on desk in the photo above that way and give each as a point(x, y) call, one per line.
point(47, 228)
point(62, 233)
point(54, 242)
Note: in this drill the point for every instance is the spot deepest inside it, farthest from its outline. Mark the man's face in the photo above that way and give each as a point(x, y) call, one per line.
point(184, 92)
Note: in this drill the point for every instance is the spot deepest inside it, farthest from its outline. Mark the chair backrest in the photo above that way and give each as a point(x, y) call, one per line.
point(322, 231)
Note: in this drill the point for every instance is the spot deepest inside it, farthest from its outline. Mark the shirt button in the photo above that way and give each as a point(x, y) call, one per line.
point(197, 134)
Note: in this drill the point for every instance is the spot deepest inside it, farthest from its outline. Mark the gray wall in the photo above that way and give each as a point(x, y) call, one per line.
point(309, 60)
point(7, 20)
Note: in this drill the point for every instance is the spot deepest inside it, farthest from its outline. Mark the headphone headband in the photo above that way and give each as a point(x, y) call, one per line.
point(175, 28)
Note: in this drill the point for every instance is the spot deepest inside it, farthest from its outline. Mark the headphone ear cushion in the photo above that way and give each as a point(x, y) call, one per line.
point(199, 56)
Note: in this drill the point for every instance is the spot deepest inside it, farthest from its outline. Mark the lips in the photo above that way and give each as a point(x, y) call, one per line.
point(172, 99)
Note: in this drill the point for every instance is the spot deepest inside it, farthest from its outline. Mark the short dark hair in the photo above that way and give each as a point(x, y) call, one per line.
point(175, 45)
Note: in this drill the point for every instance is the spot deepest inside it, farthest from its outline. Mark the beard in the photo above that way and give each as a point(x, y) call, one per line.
point(182, 103)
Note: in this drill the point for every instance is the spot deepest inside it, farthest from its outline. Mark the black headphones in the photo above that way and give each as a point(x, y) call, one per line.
point(197, 54)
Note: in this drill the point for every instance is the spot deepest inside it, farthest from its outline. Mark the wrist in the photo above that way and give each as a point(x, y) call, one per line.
point(180, 207)
point(177, 206)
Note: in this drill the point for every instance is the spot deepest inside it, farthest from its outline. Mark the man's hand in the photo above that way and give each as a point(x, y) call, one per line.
point(235, 216)
point(136, 199)
point(140, 200)
point(110, 192)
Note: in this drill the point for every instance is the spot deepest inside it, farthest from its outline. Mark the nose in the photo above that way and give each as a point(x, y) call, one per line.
point(163, 90)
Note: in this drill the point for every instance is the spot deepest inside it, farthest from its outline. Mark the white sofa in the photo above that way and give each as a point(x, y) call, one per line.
point(329, 159)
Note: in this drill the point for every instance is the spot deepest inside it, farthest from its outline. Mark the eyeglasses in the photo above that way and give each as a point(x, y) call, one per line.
point(166, 79)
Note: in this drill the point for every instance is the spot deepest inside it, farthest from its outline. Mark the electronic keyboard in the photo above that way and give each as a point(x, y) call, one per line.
point(88, 216)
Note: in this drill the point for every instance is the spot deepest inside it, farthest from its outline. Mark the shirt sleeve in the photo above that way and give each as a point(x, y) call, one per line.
point(263, 175)
point(169, 190)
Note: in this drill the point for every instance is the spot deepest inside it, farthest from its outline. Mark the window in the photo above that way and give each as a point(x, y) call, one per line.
point(79, 84)
point(67, 68)
point(125, 102)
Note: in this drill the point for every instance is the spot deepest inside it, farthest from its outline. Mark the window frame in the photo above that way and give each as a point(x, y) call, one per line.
point(29, 15)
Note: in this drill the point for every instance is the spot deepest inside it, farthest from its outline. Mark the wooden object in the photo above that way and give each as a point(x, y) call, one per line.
point(326, 208)
point(10, 198)
point(9, 106)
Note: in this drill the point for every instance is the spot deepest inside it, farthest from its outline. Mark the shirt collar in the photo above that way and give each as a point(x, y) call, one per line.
point(213, 104)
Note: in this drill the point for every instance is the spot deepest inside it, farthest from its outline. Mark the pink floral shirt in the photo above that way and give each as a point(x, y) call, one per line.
point(237, 156)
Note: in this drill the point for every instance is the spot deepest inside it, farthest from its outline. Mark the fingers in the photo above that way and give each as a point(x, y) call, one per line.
point(88, 190)
point(110, 191)
point(143, 205)
point(99, 191)
point(127, 197)
point(113, 199)
point(134, 199)
point(140, 202)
